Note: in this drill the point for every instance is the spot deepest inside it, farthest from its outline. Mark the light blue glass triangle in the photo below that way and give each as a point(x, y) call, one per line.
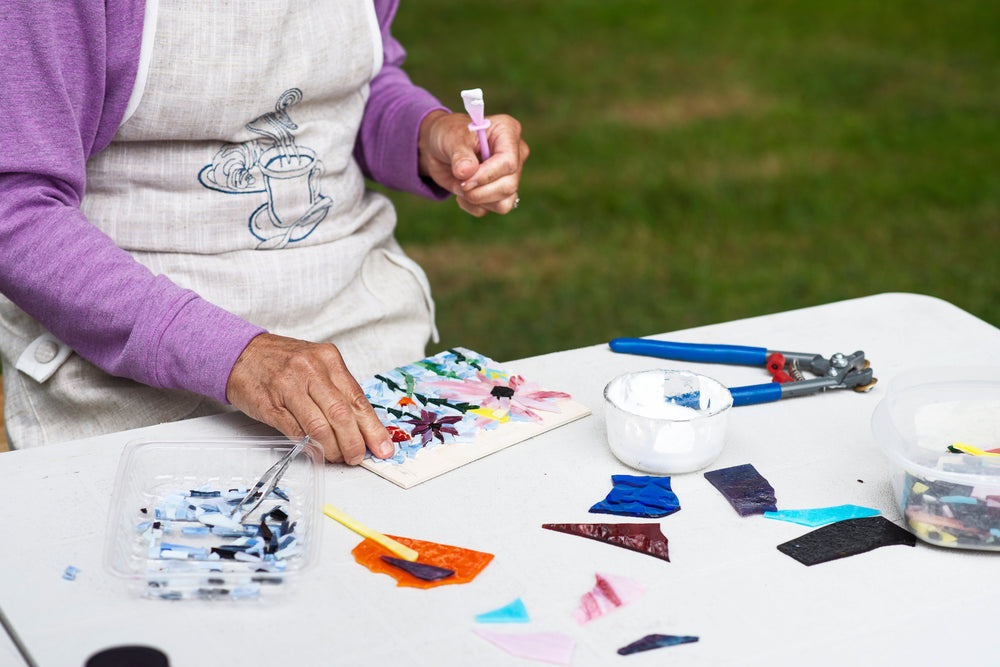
point(514, 612)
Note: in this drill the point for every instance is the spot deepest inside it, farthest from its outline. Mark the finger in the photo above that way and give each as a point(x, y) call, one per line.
point(498, 178)
point(312, 420)
point(494, 196)
point(505, 134)
point(470, 208)
point(373, 432)
point(464, 163)
point(348, 435)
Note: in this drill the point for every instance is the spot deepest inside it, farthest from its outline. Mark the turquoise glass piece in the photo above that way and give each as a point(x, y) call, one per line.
point(821, 516)
point(515, 612)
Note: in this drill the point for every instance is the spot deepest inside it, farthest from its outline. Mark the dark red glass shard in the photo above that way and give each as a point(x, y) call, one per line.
point(644, 538)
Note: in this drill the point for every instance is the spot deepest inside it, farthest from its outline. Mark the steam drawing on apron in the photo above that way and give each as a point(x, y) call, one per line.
point(287, 173)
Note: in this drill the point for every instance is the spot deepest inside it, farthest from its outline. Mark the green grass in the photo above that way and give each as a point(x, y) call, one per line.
point(699, 161)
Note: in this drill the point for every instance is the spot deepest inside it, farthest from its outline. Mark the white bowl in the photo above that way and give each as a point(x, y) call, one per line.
point(666, 421)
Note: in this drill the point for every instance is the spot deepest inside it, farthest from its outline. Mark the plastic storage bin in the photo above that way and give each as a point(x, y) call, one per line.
point(157, 543)
point(947, 499)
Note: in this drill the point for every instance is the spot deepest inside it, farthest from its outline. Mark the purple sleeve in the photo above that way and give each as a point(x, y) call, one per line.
point(66, 72)
point(387, 144)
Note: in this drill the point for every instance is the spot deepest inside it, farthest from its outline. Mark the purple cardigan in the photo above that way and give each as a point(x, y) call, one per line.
point(66, 74)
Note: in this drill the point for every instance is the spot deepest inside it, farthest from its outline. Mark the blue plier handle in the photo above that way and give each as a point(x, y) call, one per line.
point(840, 371)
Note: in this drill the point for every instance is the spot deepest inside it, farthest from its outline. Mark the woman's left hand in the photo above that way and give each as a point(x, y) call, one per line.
point(448, 155)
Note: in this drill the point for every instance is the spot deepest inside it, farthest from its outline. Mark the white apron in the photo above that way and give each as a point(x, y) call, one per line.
point(234, 177)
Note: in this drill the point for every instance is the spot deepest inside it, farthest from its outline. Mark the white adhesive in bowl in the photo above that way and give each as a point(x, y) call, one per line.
point(666, 421)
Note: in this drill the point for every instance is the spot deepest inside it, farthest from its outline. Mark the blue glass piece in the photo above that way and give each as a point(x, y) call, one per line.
point(515, 612)
point(650, 642)
point(745, 489)
point(821, 516)
point(640, 496)
point(70, 573)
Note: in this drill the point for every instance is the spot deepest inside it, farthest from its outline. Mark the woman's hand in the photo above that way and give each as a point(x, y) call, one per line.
point(448, 154)
point(303, 388)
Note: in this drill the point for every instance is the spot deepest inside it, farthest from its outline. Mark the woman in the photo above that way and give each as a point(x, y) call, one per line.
point(183, 205)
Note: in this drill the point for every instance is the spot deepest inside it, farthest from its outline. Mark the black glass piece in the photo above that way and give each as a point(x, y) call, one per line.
point(846, 538)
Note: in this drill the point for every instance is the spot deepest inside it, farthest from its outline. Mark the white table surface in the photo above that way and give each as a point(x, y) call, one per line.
point(726, 582)
point(9, 653)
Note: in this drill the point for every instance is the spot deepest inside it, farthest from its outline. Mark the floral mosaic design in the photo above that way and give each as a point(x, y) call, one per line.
point(451, 397)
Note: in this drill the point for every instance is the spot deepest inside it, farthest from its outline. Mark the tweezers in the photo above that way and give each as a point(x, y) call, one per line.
point(267, 482)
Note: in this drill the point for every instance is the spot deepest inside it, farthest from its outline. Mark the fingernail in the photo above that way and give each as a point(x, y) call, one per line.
point(469, 185)
point(386, 449)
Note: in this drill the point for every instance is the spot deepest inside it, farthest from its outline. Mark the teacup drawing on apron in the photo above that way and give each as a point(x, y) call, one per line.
point(287, 173)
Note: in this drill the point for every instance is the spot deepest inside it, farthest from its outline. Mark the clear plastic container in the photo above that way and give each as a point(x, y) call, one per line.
point(947, 499)
point(666, 421)
point(183, 560)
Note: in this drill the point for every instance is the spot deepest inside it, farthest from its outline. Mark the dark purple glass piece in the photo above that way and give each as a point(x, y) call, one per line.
point(744, 488)
point(846, 538)
point(421, 571)
point(646, 538)
point(649, 642)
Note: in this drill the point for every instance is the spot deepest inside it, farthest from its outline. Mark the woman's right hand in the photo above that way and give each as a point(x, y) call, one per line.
point(303, 388)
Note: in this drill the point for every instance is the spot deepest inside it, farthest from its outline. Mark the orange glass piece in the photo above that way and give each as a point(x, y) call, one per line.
point(466, 563)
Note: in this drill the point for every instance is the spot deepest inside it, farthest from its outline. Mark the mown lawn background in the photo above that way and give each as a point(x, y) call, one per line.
point(697, 161)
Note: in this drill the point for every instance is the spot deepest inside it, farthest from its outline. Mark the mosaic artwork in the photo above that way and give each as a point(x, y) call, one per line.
point(455, 407)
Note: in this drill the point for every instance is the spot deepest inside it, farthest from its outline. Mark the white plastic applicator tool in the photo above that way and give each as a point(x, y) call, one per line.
point(476, 108)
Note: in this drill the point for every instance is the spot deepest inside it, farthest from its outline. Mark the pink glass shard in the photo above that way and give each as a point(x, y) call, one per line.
point(646, 538)
point(551, 647)
point(608, 594)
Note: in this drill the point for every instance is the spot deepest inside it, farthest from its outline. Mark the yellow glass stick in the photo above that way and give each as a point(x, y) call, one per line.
point(969, 449)
point(404, 552)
